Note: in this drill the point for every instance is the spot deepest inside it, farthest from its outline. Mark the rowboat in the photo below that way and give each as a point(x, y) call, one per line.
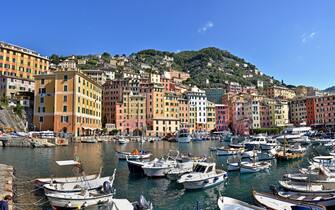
point(324, 199)
point(271, 201)
point(227, 203)
point(228, 151)
point(254, 167)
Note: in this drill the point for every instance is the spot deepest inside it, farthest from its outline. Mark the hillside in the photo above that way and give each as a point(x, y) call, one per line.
point(217, 67)
point(330, 89)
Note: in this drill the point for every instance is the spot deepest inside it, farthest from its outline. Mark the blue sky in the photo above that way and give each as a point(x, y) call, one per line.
point(291, 40)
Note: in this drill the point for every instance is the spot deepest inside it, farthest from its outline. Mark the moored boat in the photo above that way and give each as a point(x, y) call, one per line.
point(307, 187)
point(271, 201)
point(134, 155)
point(254, 167)
point(228, 151)
point(183, 136)
point(204, 175)
point(227, 203)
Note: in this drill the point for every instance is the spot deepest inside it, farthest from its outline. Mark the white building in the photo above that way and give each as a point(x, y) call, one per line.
point(198, 99)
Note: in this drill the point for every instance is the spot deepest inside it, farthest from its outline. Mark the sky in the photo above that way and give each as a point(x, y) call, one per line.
point(292, 40)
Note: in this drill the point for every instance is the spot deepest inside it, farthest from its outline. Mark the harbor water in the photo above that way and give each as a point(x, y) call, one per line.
point(40, 162)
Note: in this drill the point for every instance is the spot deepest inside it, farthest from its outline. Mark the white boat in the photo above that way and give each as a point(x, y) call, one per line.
point(307, 187)
point(39, 182)
point(271, 201)
point(183, 136)
point(135, 166)
point(296, 148)
point(269, 145)
point(84, 199)
point(74, 187)
point(250, 154)
point(254, 167)
point(160, 167)
point(181, 168)
point(227, 203)
point(323, 199)
point(204, 175)
point(255, 142)
point(88, 139)
point(123, 140)
point(234, 165)
point(134, 155)
point(228, 151)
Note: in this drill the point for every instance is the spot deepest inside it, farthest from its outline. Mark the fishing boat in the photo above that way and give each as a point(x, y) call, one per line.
point(39, 182)
point(234, 165)
point(183, 166)
point(83, 199)
point(250, 154)
point(204, 175)
point(307, 187)
point(227, 203)
point(323, 199)
point(254, 167)
point(160, 167)
point(75, 187)
point(255, 142)
point(135, 166)
point(269, 144)
point(133, 155)
point(271, 201)
point(183, 136)
point(222, 151)
point(123, 140)
point(297, 148)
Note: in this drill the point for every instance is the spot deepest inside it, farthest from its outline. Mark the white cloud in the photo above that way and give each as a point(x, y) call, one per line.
point(207, 26)
point(308, 37)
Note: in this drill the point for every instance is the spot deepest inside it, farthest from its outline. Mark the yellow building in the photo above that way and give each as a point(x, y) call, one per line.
point(279, 112)
point(210, 112)
point(67, 101)
point(279, 92)
point(20, 62)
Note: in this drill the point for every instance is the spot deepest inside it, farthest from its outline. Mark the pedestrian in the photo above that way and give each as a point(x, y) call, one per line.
point(4, 202)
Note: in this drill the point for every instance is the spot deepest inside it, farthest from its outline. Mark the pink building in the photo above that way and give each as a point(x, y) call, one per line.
point(324, 110)
point(222, 117)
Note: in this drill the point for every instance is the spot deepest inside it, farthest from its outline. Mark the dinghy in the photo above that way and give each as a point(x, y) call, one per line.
point(204, 175)
point(270, 201)
point(254, 167)
point(227, 203)
point(228, 151)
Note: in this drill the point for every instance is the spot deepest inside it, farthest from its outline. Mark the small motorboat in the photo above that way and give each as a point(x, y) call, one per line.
point(213, 149)
point(254, 167)
point(182, 167)
point(142, 204)
point(255, 142)
point(75, 187)
point(39, 182)
point(135, 166)
point(227, 203)
point(83, 199)
point(160, 167)
point(271, 201)
point(123, 140)
point(204, 175)
point(250, 154)
point(89, 139)
point(134, 155)
point(307, 187)
point(297, 148)
point(222, 151)
point(270, 144)
point(183, 136)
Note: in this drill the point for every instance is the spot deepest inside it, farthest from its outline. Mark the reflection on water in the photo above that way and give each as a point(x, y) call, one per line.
point(40, 162)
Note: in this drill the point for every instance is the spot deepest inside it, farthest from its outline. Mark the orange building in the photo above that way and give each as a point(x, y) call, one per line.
point(67, 101)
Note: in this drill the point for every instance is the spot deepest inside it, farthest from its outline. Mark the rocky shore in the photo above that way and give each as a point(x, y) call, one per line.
point(6, 181)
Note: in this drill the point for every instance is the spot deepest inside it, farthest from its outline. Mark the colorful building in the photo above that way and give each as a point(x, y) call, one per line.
point(297, 111)
point(67, 101)
point(221, 117)
point(279, 92)
point(197, 99)
point(211, 116)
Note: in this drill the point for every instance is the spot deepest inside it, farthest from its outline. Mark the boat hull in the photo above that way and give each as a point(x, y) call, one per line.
point(156, 171)
point(67, 202)
point(202, 184)
point(136, 167)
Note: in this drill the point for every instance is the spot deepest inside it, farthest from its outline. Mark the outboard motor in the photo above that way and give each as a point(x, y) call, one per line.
point(143, 204)
point(107, 187)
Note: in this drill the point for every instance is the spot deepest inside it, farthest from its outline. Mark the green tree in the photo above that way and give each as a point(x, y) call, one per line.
point(106, 57)
point(55, 59)
point(18, 109)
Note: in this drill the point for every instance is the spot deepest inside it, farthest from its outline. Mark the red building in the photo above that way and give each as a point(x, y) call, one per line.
point(222, 117)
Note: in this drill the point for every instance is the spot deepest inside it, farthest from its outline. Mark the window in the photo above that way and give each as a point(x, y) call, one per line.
point(65, 98)
point(65, 77)
point(65, 88)
point(64, 108)
point(64, 119)
point(42, 81)
point(41, 119)
point(41, 100)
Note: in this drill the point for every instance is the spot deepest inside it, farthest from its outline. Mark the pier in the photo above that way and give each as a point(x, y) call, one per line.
point(6, 182)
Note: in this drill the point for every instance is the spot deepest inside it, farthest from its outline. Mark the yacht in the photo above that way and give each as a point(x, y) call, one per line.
point(183, 136)
point(204, 175)
point(255, 142)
